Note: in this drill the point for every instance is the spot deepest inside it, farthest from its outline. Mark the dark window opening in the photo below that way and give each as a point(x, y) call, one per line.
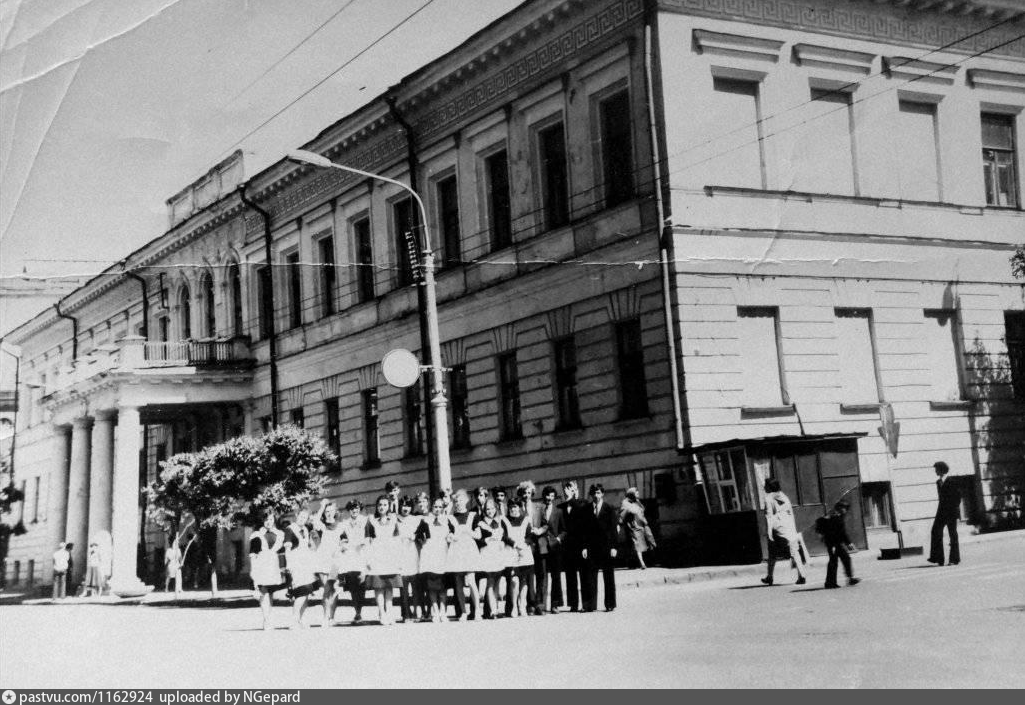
point(298, 417)
point(327, 275)
point(405, 239)
point(414, 421)
point(295, 293)
point(265, 295)
point(235, 279)
point(499, 207)
point(630, 358)
point(554, 175)
point(371, 436)
point(459, 401)
point(567, 403)
point(509, 422)
point(448, 208)
point(617, 148)
point(364, 260)
point(1014, 330)
point(333, 434)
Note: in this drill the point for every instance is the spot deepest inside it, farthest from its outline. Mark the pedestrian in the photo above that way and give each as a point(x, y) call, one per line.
point(493, 541)
point(571, 539)
point(781, 531)
point(948, 511)
point(93, 579)
point(71, 567)
point(434, 534)
point(638, 533)
point(173, 568)
point(329, 530)
point(833, 528)
point(393, 489)
point(351, 563)
point(519, 561)
point(302, 566)
point(61, 562)
point(382, 558)
point(464, 555)
point(264, 567)
point(408, 558)
point(600, 533)
point(548, 553)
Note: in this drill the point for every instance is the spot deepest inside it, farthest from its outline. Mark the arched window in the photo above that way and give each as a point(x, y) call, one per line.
point(185, 313)
point(235, 283)
point(209, 309)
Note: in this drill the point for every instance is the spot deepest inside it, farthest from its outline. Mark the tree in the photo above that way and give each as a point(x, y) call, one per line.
point(9, 496)
point(1018, 263)
point(233, 483)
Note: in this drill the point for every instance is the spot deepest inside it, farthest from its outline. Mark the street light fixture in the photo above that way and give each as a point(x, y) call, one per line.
point(439, 404)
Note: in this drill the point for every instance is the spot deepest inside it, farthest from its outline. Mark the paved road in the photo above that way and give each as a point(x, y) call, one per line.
point(908, 624)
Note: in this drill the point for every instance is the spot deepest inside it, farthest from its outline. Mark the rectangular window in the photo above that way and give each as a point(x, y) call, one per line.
point(567, 403)
point(875, 504)
point(371, 436)
point(825, 145)
point(35, 499)
point(633, 389)
point(326, 247)
point(758, 338)
point(551, 144)
point(364, 260)
point(496, 169)
point(263, 292)
point(726, 481)
point(918, 160)
point(856, 342)
point(616, 148)
point(944, 361)
point(298, 417)
point(16, 575)
point(448, 217)
point(509, 423)
point(459, 401)
point(30, 576)
point(414, 420)
point(405, 239)
point(1014, 330)
point(999, 157)
point(295, 290)
point(332, 434)
point(742, 159)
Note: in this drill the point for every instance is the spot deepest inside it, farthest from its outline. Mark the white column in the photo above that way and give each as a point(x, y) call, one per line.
point(125, 495)
point(101, 475)
point(57, 511)
point(78, 498)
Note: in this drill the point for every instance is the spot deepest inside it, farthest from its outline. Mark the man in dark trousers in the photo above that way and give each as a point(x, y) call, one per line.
point(571, 540)
point(551, 528)
point(947, 512)
point(600, 526)
point(833, 528)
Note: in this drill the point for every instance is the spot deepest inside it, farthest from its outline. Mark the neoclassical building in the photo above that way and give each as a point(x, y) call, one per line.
point(683, 245)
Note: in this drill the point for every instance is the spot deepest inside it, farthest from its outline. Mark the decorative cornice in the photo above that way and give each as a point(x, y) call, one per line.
point(997, 80)
point(832, 58)
point(917, 70)
point(888, 21)
point(708, 42)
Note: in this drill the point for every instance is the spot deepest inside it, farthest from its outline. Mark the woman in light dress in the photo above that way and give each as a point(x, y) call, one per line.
point(631, 516)
point(301, 562)
point(463, 554)
point(264, 568)
point(382, 558)
point(408, 558)
point(329, 527)
point(351, 563)
point(519, 558)
point(781, 531)
point(434, 534)
point(494, 541)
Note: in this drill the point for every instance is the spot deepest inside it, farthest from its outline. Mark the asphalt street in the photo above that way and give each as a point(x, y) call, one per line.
point(908, 624)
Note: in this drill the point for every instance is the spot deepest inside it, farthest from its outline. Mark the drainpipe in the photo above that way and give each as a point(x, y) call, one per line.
point(421, 297)
point(74, 330)
point(145, 298)
point(268, 301)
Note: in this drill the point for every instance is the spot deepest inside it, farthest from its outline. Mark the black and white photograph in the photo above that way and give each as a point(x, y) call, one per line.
point(510, 344)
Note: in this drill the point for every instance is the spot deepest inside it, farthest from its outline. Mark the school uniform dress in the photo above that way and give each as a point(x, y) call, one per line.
point(494, 545)
point(264, 568)
point(351, 564)
point(463, 552)
point(408, 555)
point(519, 558)
point(300, 560)
point(432, 535)
point(382, 553)
point(329, 549)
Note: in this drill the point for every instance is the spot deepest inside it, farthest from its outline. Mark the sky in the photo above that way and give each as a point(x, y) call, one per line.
point(108, 108)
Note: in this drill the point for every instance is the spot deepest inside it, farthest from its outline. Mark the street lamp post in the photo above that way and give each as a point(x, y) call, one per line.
point(439, 403)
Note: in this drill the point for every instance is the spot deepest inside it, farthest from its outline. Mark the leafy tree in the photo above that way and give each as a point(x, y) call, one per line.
point(9, 496)
point(1018, 263)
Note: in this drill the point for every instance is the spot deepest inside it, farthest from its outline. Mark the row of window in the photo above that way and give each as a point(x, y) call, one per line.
point(830, 140)
point(764, 377)
point(631, 381)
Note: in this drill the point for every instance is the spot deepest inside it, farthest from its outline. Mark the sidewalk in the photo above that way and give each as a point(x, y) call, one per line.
point(626, 579)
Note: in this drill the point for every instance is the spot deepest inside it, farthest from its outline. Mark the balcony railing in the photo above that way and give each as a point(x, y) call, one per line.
point(190, 352)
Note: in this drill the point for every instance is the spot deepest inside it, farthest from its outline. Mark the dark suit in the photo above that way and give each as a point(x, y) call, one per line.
point(571, 539)
point(601, 537)
point(947, 513)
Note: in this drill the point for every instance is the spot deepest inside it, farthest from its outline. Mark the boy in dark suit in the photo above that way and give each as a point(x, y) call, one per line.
point(947, 512)
point(600, 531)
point(833, 528)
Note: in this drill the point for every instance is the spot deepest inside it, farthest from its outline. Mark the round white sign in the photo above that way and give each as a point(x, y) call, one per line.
point(401, 368)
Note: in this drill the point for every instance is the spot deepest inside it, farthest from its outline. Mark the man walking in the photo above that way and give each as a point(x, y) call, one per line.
point(833, 528)
point(947, 512)
point(61, 562)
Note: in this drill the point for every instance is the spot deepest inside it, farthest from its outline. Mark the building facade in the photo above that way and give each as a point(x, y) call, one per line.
point(683, 246)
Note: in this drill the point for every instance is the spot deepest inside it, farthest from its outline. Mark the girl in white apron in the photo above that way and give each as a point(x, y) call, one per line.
point(264, 568)
point(492, 553)
point(408, 557)
point(463, 554)
point(330, 529)
point(351, 563)
point(301, 562)
point(519, 558)
point(434, 533)
point(381, 555)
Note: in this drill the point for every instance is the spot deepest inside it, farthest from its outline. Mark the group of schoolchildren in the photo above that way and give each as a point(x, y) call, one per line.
point(418, 548)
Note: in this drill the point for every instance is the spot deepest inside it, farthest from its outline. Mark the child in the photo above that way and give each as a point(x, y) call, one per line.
point(382, 558)
point(434, 534)
point(302, 565)
point(408, 557)
point(463, 554)
point(494, 540)
point(519, 560)
point(330, 529)
point(264, 568)
point(351, 565)
point(833, 528)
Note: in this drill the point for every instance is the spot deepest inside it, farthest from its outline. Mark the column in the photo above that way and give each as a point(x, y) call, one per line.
point(57, 510)
point(78, 499)
point(125, 498)
point(101, 475)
